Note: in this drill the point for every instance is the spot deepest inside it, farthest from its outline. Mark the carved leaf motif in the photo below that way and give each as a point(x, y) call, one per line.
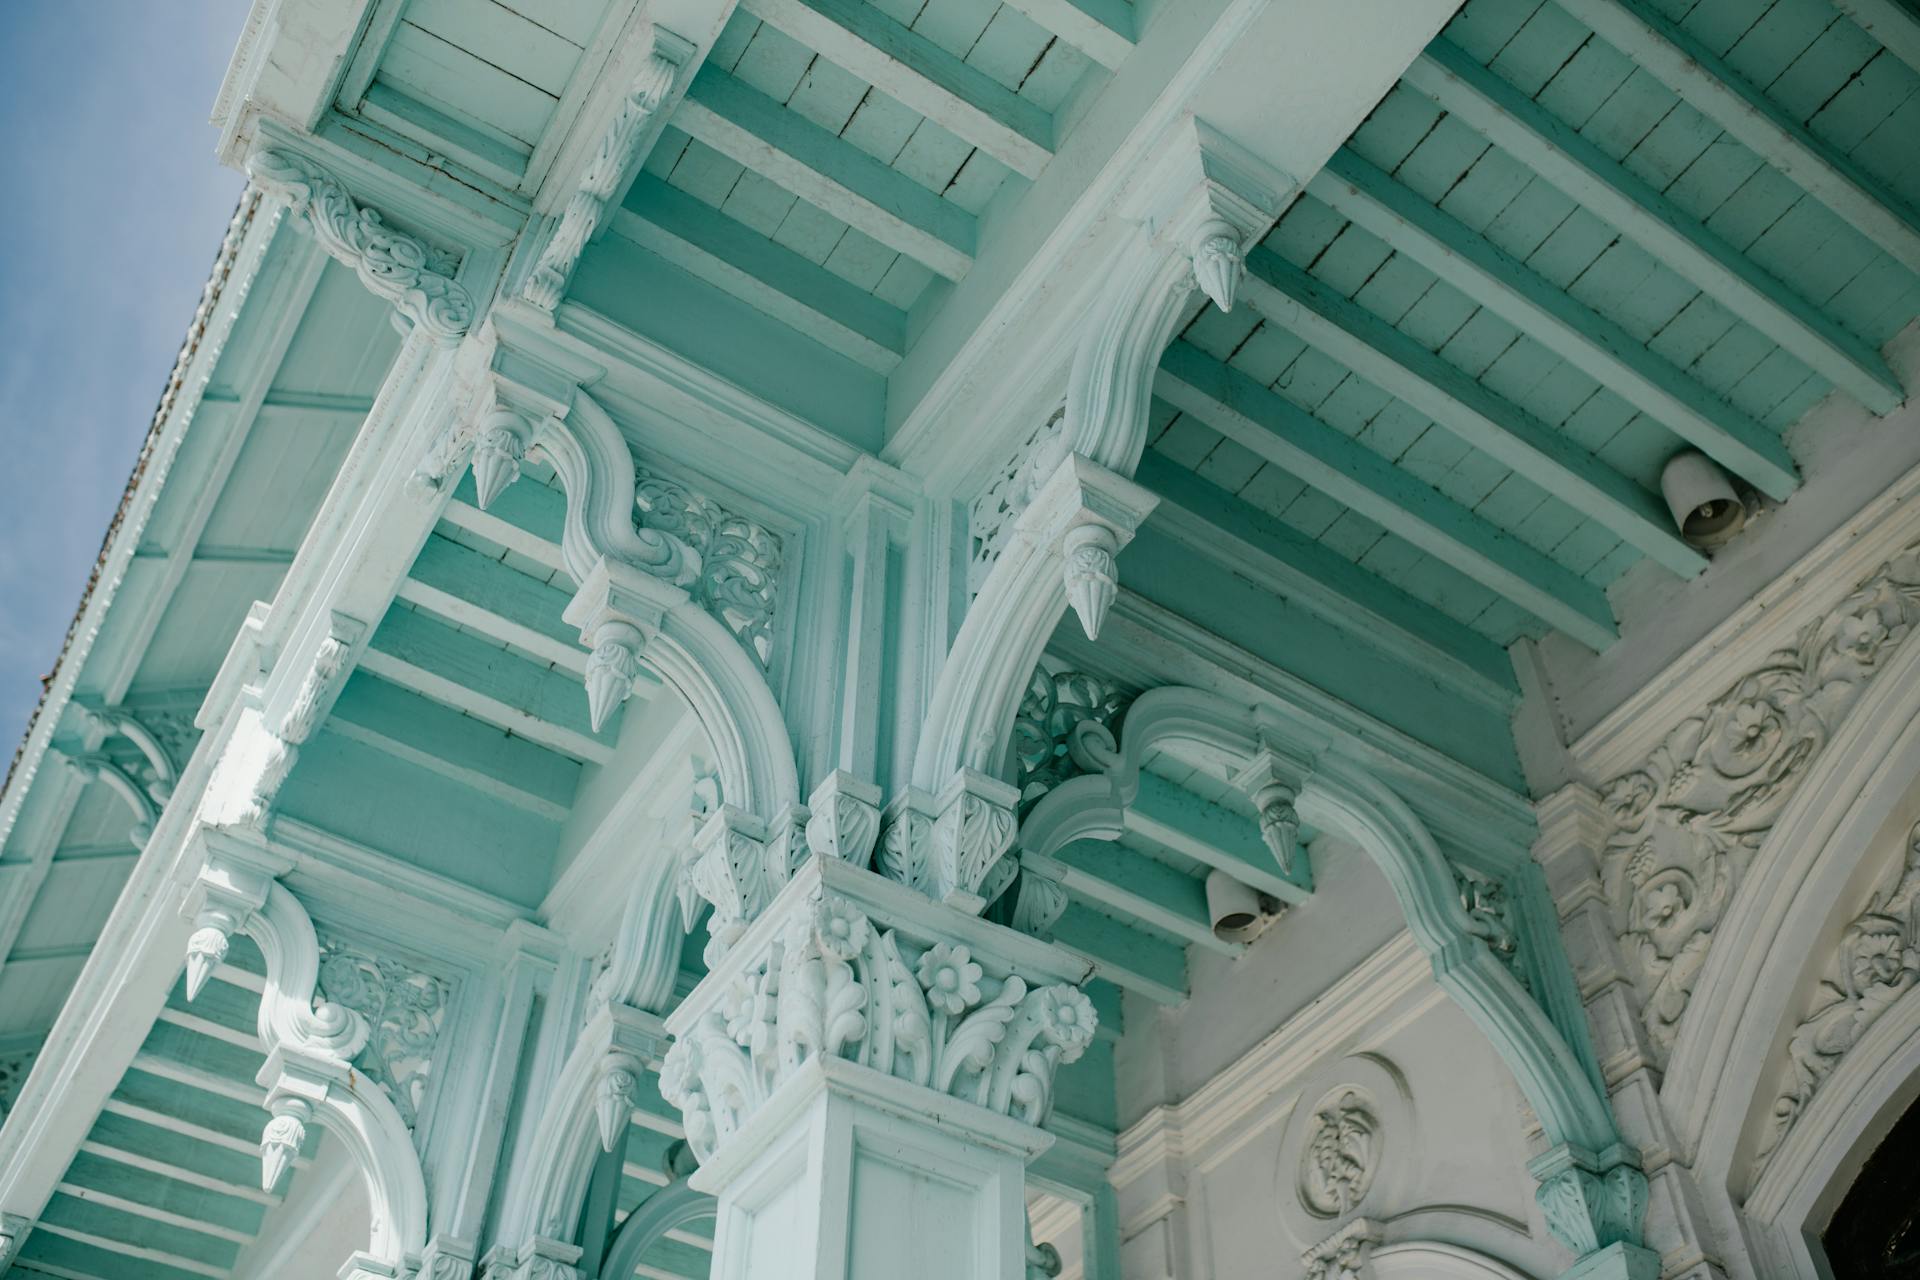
point(1340, 1156)
point(1687, 822)
point(1059, 711)
point(740, 561)
point(992, 515)
point(405, 1011)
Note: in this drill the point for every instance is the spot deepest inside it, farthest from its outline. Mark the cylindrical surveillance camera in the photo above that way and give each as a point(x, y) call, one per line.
point(1702, 500)
point(1234, 908)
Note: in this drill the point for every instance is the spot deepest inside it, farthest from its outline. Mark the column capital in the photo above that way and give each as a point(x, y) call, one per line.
point(850, 977)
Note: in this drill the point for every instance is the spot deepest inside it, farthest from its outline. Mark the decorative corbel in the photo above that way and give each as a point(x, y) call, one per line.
point(1594, 1205)
point(261, 752)
point(1197, 212)
point(619, 146)
point(409, 273)
point(1089, 514)
point(1273, 786)
point(971, 834)
point(618, 609)
point(845, 818)
point(729, 870)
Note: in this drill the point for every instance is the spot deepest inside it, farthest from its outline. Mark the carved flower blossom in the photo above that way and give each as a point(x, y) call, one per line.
point(1874, 954)
point(1662, 902)
point(1067, 1019)
point(1749, 726)
point(951, 978)
point(841, 928)
point(1861, 635)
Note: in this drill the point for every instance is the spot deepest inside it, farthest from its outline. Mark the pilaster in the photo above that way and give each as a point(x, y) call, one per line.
point(864, 1075)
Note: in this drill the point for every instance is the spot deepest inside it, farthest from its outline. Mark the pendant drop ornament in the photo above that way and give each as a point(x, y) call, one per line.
point(1092, 580)
point(1217, 264)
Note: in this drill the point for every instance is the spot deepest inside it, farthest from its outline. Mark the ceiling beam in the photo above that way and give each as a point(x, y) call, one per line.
point(1134, 885)
point(824, 169)
point(767, 275)
point(1894, 23)
point(1543, 143)
point(1279, 558)
point(1408, 371)
point(179, 1173)
point(1556, 320)
point(1139, 962)
point(960, 98)
point(500, 531)
point(1353, 475)
point(495, 600)
point(153, 1213)
point(107, 1244)
point(1179, 821)
point(1763, 126)
point(471, 675)
point(1101, 29)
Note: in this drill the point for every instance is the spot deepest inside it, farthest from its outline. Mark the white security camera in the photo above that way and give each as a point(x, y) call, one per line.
point(1239, 913)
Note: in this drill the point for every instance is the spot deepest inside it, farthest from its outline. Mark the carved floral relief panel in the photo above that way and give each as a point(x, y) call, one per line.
point(1686, 824)
point(740, 561)
point(406, 1010)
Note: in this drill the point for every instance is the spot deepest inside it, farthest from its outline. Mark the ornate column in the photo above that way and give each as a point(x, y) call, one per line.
point(863, 1075)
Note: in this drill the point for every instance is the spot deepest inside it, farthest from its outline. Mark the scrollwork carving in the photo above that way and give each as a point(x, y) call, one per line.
point(405, 1011)
point(1068, 724)
point(1490, 919)
point(992, 515)
point(1876, 962)
point(740, 561)
point(1687, 822)
point(415, 277)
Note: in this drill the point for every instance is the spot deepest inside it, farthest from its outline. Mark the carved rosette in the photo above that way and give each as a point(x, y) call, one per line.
point(1687, 822)
point(416, 278)
point(826, 975)
point(1875, 964)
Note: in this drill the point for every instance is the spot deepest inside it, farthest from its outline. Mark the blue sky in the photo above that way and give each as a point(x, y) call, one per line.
point(115, 207)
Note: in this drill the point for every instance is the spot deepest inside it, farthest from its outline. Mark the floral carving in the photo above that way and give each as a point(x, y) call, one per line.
point(832, 983)
point(416, 278)
point(405, 1011)
point(1067, 725)
point(1341, 1153)
point(1687, 822)
point(740, 561)
point(1876, 963)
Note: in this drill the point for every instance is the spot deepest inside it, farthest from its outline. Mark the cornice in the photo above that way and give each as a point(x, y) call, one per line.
point(1765, 623)
point(1228, 1103)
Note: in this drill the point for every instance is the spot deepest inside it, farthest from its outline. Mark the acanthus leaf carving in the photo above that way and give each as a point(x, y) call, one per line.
point(844, 818)
point(827, 981)
point(1685, 824)
point(970, 835)
point(415, 277)
point(1340, 1156)
point(280, 1141)
point(1875, 964)
point(612, 668)
point(1068, 724)
point(1345, 1254)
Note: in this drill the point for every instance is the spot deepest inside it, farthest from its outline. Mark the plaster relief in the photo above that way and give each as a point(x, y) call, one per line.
point(740, 561)
point(405, 1011)
point(1341, 1154)
point(1687, 823)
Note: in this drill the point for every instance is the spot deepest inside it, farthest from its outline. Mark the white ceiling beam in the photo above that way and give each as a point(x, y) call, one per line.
point(1714, 89)
point(827, 171)
point(1280, 432)
point(493, 711)
point(960, 98)
point(1101, 29)
point(1117, 878)
point(1408, 371)
point(1511, 121)
point(1557, 321)
point(504, 533)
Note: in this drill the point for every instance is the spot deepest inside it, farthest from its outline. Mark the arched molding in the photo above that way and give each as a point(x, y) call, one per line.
point(634, 609)
point(671, 1208)
point(1745, 1004)
point(309, 1074)
point(97, 768)
point(1592, 1189)
point(1438, 1260)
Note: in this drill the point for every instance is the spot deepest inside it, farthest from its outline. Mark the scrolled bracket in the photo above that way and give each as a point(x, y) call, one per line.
point(1595, 1204)
point(409, 273)
point(844, 819)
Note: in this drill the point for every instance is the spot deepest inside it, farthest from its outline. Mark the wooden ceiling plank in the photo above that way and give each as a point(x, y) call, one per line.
point(178, 1173)
point(1763, 126)
point(1894, 23)
point(1102, 29)
point(825, 170)
point(153, 1213)
point(1114, 876)
point(1511, 121)
point(1554, 318)
point(1353, 475)
point(1150, 966)
point(1402, 367)
point(108, 1244)
point(1175, 819)
point(960, 98)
